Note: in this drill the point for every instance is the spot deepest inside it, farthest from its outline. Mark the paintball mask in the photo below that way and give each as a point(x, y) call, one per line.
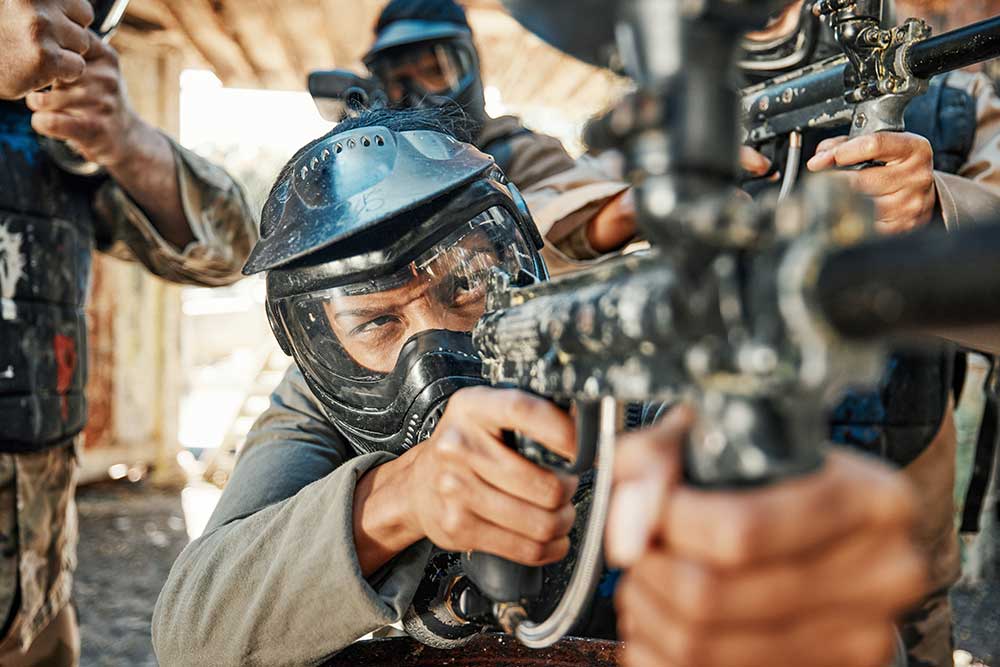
point(378, 245)
point(795, 37)
point(108, 15)
point(414, 63)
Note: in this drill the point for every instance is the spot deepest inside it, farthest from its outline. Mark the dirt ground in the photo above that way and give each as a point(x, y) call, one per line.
point(130, 534)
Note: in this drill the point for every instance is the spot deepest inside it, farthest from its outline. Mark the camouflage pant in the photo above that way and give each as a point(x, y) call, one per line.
point(38, 536)
point(927, 633)
point(57, 646)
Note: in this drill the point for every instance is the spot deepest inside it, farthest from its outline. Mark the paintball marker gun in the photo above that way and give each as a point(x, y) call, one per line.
point(758, 313)
point(108, 15)
point(868, 87)
point(339, 93)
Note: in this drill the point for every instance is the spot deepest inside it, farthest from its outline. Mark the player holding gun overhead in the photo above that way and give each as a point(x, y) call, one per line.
point(155, 202)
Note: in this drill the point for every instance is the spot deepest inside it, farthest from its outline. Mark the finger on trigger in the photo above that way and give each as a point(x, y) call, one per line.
point(505, 469)
point(820, 161)
point(828, 145)
point(533, 417)
point(753, 161)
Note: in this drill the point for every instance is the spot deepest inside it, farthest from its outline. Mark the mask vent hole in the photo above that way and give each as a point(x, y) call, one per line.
point(431, 421)
point(338, 148)
point(366, 142)
point(379, 140)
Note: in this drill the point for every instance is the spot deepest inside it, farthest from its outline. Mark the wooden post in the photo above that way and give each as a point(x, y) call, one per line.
point(135, 382)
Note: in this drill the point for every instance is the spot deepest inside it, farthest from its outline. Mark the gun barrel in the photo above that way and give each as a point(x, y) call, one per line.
point(925, 281)
point(955, 49)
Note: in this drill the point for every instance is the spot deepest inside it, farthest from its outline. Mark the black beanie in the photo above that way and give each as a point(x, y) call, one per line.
point(422, 10)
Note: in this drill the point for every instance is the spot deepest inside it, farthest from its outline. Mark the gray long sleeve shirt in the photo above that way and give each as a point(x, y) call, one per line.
point(275, 578)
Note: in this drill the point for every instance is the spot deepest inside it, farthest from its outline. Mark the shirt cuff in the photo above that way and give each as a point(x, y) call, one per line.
point(386, 596)
point(215, 210)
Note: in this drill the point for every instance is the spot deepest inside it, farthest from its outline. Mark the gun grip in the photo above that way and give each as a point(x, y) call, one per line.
point(502, 580)
point(505, 581)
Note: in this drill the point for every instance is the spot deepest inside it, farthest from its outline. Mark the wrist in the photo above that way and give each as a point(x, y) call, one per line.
point(139, 144)
point(384, 524)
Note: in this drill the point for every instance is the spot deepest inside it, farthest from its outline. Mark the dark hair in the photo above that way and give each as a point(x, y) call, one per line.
point(450, 120)
point(446, 11)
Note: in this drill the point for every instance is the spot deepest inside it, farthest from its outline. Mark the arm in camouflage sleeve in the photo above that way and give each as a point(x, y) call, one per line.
point(183, 218)
point(275, 579)
point(202, 229)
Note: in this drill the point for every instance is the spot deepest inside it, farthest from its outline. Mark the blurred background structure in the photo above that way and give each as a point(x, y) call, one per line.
point(178, 375)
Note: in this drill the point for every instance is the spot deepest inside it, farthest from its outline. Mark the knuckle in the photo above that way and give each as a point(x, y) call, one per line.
point(463, 399)
point(625, 596)
point(690, 646)
point(739, 536)
point(453, 520)
point(549, 490)
point(547, 527)
point(520, 405)
point(39, 27)
point(873, 646)
point(450, 445)
point(530, 551)
point(701, 597)
point(923, 145)
point(39, 57)
point(86, 10)
point(448, 484)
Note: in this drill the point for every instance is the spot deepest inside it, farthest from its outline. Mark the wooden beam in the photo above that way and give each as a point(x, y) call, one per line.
point(276, 13)
point(152, 12)
point(250, 27)
point(202, 26)
point(349, 26)
point(304, 32)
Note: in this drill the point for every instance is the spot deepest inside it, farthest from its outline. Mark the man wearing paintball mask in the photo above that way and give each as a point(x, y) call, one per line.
point(184, 219)
point(944, 170)
point(424, 56)
point(382, 446)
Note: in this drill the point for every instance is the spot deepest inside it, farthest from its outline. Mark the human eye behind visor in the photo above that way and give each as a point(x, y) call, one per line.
point(356, 331)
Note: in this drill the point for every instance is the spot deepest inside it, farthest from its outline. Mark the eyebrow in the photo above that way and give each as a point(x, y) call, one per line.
point(357, 313)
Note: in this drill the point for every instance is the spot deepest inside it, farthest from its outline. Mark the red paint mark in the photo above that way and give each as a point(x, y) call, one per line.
point(65, 349)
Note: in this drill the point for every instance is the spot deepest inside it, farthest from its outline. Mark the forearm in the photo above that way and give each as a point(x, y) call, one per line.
point(147, 172)
point(382, 528)
point(281, 586)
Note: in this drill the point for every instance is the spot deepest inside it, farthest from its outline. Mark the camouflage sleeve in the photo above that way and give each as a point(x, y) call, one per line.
point(221, 222)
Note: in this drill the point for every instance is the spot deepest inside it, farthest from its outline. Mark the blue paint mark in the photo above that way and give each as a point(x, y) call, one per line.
point(609, 583)
point(16, 135)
